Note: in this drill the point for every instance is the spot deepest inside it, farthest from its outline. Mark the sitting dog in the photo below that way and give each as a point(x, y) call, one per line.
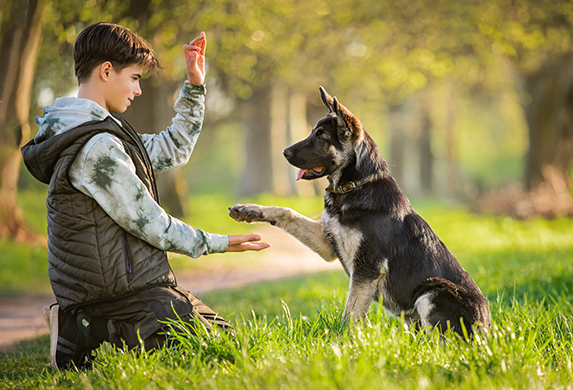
point(369, 225)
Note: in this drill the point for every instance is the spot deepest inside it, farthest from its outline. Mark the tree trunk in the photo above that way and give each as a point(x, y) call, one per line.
point(549, 118)
point(24, 28)
point(257, 173)
point(397, 144)
point(426, 155)
point(279, 139)
point(298, 130)
point(453, 180)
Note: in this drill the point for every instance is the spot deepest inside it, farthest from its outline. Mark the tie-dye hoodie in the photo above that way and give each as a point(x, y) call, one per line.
point(104, 171)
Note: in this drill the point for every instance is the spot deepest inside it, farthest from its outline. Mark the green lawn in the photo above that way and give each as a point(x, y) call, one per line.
point(290, 334)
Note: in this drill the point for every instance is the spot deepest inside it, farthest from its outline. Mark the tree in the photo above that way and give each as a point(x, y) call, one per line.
point(21, 31)
point(536, 37)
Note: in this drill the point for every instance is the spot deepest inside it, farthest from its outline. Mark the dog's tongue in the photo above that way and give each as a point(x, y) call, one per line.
point(300, 173)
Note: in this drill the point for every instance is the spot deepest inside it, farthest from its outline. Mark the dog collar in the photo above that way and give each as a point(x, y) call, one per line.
point(350, 186)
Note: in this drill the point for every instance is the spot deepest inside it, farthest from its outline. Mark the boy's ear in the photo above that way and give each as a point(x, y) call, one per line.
point(105, 70)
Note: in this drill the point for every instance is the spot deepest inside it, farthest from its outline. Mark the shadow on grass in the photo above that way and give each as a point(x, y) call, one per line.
point(24, 359)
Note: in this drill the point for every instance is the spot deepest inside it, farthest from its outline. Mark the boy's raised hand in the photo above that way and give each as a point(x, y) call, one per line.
point(249, 242)
point(195, 59)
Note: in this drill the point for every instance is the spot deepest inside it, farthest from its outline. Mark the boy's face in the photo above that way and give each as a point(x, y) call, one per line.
point(123, 87)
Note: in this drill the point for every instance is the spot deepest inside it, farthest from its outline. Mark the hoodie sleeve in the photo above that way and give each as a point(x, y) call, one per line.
point(173, 146)
point(104, 171)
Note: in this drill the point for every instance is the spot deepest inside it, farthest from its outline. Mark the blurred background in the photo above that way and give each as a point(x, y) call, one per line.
point(469, 101)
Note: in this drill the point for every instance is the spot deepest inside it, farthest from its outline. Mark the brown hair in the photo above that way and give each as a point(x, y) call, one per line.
point(103, 42)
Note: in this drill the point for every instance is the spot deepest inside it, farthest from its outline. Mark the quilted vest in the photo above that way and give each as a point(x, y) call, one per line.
point(91, 258)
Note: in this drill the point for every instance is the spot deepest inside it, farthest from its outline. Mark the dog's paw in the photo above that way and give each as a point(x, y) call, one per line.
point(249, 213)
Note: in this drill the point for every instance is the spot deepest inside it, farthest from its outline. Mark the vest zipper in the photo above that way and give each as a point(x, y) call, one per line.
point(127, 255)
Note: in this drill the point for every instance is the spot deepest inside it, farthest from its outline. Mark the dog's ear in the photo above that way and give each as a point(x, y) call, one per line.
point(346, 121)
point(327, 99)
point(333, 106)
point(338, 114)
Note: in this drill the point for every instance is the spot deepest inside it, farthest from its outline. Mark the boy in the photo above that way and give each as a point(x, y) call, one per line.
point(107, 234)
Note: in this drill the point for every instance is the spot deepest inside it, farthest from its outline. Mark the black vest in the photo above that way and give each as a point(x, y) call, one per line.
point(91, 258)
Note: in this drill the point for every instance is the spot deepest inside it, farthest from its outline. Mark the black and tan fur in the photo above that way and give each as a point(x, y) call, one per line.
point(369, 225)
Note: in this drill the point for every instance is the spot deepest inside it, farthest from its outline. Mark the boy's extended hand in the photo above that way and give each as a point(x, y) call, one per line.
point(250, 242)
point(195, 59)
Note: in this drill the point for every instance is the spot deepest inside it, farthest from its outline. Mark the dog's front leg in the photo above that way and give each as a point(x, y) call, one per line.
point(304, 229)
point(360, 295)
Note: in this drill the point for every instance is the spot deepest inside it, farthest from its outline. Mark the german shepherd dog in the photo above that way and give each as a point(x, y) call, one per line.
point(369, 225)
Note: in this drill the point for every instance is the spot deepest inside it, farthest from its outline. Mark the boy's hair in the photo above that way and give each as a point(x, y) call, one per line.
point(103, 42)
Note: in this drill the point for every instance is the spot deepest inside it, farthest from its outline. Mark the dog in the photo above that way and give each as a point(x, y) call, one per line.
point(368, 223)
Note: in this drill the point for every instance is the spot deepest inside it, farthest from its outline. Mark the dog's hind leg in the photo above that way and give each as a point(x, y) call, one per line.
point(446, 305)
point(304, 229)
point(424, 306)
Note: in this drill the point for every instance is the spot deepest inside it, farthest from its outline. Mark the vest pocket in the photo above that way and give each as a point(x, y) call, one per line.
point(127, 255)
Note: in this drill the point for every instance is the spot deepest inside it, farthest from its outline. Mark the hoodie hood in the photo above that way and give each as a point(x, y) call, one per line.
point(65, 114)
point(62, 124)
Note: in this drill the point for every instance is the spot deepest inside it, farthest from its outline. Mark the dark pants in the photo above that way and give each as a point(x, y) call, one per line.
point(123, 319)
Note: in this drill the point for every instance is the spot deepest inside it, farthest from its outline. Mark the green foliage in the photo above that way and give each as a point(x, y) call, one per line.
point(405, 45)
point(370, 53)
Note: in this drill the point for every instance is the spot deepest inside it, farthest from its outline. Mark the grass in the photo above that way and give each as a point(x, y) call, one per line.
point(290, 333)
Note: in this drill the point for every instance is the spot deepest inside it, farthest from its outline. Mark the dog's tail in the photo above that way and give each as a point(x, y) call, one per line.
point(440, 301)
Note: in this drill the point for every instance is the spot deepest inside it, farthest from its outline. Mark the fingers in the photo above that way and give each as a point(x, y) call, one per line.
point(235, 240)
point(192, 48)
point(250, 242)
point(249, 246)
point(191, 54)
point(194, 57)
point(203, 44)
point(198, 44)
point(198, 41)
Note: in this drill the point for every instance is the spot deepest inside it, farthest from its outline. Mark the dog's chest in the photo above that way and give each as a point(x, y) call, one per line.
point(345, 240)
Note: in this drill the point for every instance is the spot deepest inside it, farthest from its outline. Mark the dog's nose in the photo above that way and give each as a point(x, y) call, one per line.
point(287, 153)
